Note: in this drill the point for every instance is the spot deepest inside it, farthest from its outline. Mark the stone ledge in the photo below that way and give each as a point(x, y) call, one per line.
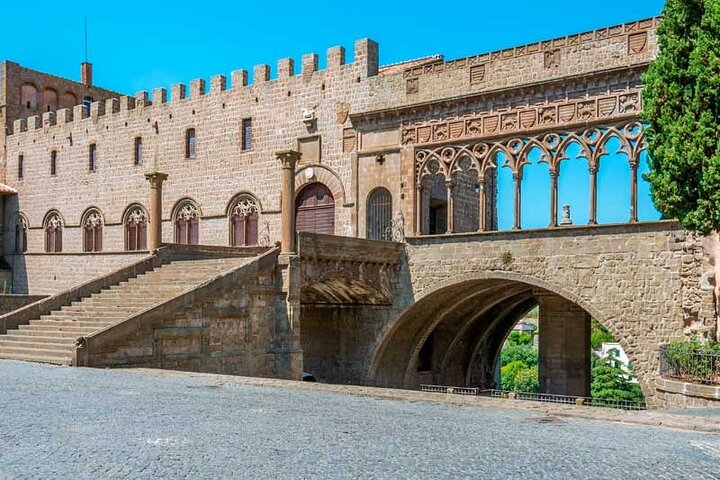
point(709, 392)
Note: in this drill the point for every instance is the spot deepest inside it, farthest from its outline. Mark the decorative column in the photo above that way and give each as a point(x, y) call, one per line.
point(482, 205)
point(418, 209)
point(633, 192)
point(156, 180)
point(450, 207)
point(553, 197)
point(517, 178)
point(288, 159)
point(593, 195)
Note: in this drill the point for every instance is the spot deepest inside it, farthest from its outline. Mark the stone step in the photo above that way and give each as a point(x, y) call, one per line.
point(43, 350)
point(70, 323)
point(29, 344)
point(61, 316)
point(32, 357)
point(45, 330)
point(16, 336)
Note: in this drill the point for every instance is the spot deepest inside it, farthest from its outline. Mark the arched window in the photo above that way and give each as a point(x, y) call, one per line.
point(50, 100)
point(244, 217)
point(68, 100)
point(315, 209)
point(379, 214)
point(187, 223)
point(53, 232)
point(21, 227)
point(29, 96)
point(135, 221)
point(92, 225)
point(190, 143)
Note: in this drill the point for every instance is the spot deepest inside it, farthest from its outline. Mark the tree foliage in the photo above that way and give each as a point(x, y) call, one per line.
point(681, 109)
point(611, 382)
point(526, 354)
point(599, 335)
point(519, 377)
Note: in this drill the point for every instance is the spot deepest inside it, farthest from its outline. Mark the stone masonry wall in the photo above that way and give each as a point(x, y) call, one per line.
point(239, 331)
point(641, 281)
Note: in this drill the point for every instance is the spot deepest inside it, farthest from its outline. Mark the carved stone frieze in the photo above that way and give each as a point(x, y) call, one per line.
point(637, 43)
point(513, 151)
point(602, 108)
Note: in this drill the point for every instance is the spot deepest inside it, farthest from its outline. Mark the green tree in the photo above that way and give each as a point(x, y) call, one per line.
point(519, 377)
point(610, 382)
point(519, 338)
point(599, 335)
point(682, 112)
point(526, 354)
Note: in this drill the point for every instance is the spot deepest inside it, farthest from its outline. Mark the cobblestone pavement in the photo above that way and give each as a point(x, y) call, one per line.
point(62, 422)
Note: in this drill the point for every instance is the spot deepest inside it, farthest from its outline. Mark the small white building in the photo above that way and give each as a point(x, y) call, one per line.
point(613, 348)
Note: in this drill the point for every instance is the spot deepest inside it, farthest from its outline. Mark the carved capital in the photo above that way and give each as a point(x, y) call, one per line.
point(288, 158)
point(156, 179)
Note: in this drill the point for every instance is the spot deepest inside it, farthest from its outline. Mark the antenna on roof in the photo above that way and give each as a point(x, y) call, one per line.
point(86, 41)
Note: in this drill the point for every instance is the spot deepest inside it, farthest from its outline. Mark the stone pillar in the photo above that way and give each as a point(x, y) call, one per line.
point(593, 196)
point(517, 178)
point(564, 353)
point(553, 197)
point(633, 192)
point(156, 180)
point(288, 159)
point(418, 209)
point(450, 223)
point(482, 205)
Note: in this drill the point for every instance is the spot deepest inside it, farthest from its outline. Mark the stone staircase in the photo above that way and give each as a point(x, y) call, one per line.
point(51, 338)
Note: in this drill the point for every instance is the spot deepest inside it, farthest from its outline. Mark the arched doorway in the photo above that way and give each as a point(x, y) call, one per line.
point(453, 335)
point(315, 209)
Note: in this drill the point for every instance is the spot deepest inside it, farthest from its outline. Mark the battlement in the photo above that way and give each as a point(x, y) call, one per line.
point(365, 61)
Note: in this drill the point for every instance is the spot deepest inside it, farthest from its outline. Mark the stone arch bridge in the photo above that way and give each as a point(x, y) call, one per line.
point(437, 309)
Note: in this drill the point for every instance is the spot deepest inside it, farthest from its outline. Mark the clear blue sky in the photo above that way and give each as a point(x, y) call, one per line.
point(142, 45)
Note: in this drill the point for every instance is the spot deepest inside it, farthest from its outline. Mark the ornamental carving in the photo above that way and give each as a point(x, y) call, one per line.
point(21, 222)
point(483, 156)
point(136, 216)
point(54, 222)
point(616, 106)
point(93, 219)
point(245, 206)
point(637, 33)
point(187, 211)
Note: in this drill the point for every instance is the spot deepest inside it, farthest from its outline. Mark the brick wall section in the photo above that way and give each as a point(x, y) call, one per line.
point(8, 303)
point(47, 274)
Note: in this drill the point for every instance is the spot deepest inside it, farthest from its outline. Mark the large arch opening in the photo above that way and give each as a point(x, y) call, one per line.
point(454, 335)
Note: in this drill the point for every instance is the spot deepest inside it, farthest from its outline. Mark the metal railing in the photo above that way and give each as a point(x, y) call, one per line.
point(684, 363)
point(536, 397)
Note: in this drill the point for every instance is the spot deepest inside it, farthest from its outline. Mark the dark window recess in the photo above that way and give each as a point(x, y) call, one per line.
point(21, 161)
point(247, 139)
point(379, 215)
point(92, 157)
point(137, 160)
point(190, 143)
point(53, 163)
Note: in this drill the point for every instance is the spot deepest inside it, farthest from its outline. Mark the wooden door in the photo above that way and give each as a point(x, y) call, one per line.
point(315, 210)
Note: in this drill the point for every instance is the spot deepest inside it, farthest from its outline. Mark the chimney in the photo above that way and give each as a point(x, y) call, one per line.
point(86, 73)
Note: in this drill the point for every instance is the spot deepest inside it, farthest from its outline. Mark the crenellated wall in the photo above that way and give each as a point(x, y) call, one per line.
point(353, 141)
